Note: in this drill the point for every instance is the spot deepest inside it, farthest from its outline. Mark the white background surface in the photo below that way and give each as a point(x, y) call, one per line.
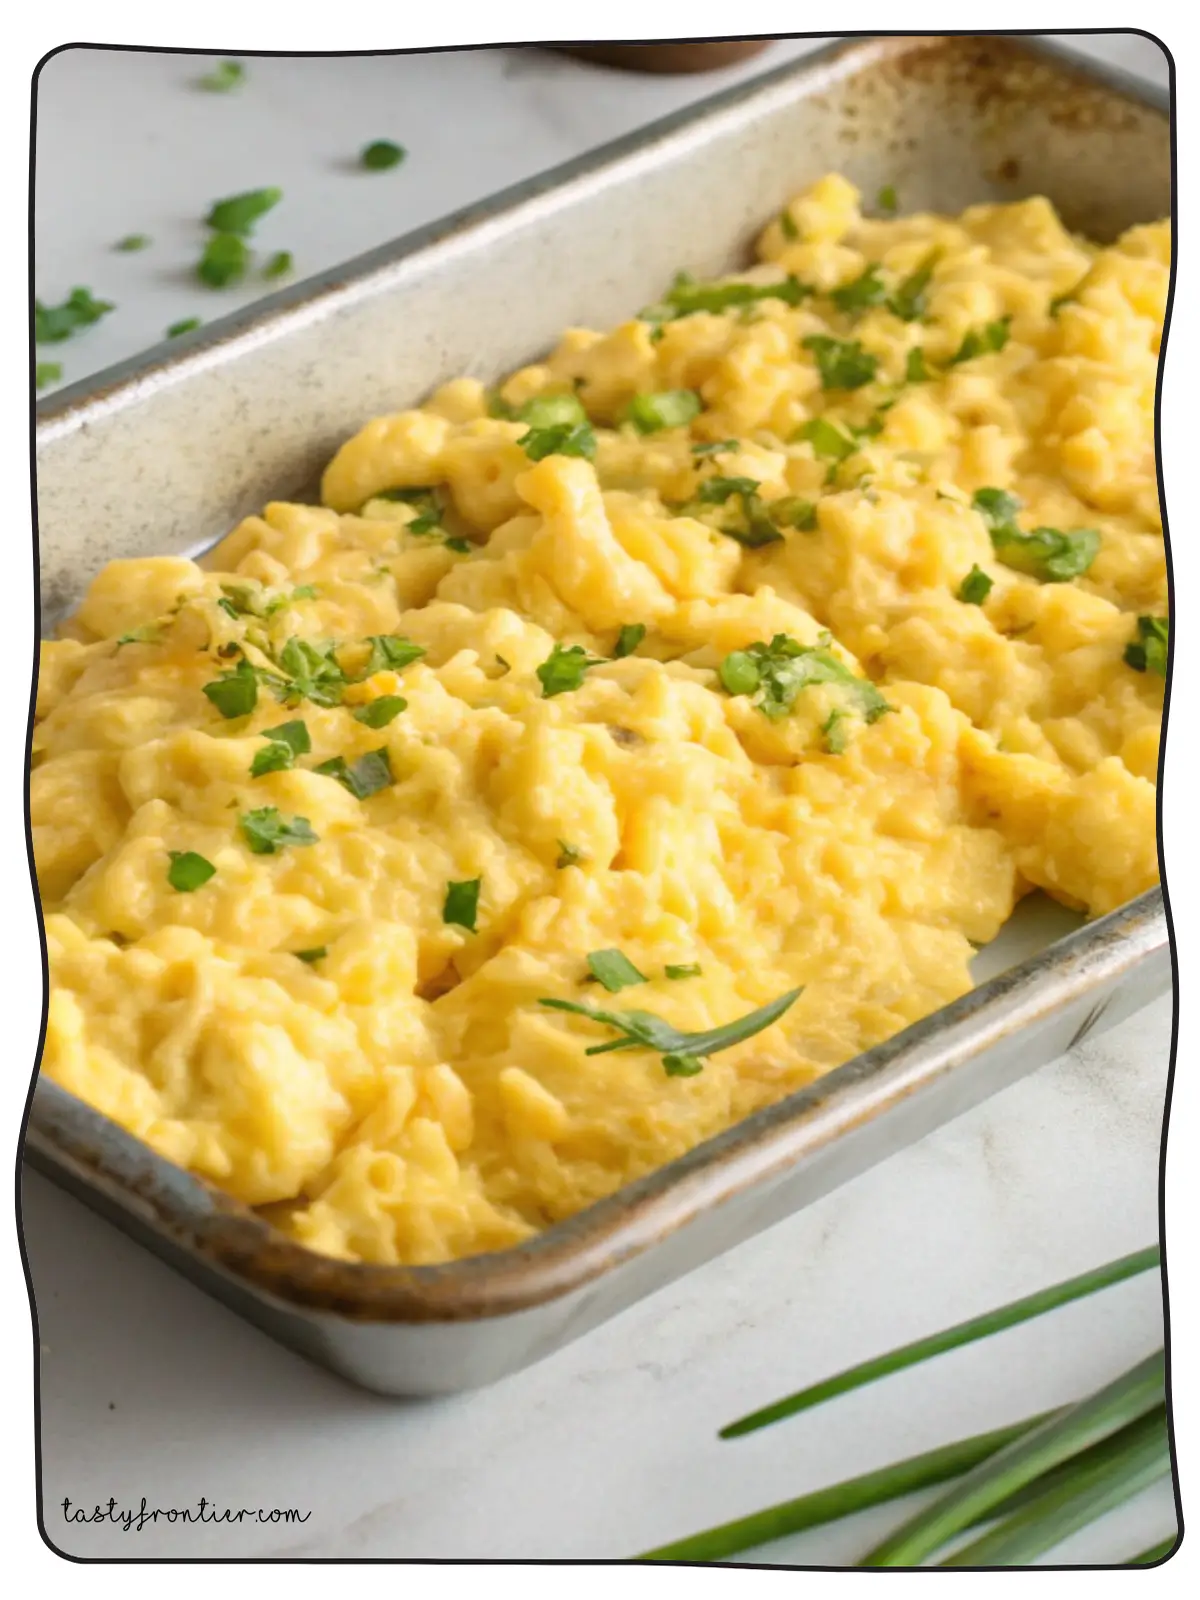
point(150, 1389)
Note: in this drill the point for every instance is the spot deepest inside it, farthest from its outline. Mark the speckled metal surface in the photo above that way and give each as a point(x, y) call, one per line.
point(170, 449)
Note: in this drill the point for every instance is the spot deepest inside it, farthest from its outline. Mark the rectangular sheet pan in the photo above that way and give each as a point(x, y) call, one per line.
point(166, 452)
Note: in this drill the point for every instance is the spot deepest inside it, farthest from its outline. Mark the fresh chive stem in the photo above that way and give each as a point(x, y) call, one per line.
point(949, 1339)
point(1074, 1495)
point(844, 1499)
point(996, 1479)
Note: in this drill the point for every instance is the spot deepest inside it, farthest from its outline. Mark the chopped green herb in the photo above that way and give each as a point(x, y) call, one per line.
point(1148, 651)
point(188, 871)
point(683, 1053)
point(184, 325)
point(614, 970)
point(833, 731)
point(381, 155)
point(1046, 554)
point(886, 199)
point(868, 289)
point(499, 407)
point(312, 671)
point(274, 756)
point(279, 265)
point(53, 324)
point(224, 77)
point(132, 242)
point(843, 363)
point(566, 439)
point(915, 370)
point(716, 491)
point(630, 636)
point(975, 587)
point(294, 735)
point(234, 693)
point(689, 969)
point(390, 651)
point(564, 668)
point(993, 336)
point(909, 302)
point(793, 512)
point(148, 633)
point(364, 777)
point(997, 507)
point(317, 953)
point(719, 448)
point(828, 441)
point(46, 373)
point(378, 713)
point(423, 496)
point(775, 674)
point(787, 225)
point(224, 261)
point(239, 213)
point(302, 591)
point(670, 408)
point(461, 906)
point(266, 830)
point(749, 522)
point(686, 297)
point(569, 855)
point(551, 411)
point(461, 547)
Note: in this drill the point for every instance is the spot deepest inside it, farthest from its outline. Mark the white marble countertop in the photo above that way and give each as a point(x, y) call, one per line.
point(149, 1389)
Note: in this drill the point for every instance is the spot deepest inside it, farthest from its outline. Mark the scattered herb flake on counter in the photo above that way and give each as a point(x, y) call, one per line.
point(614, 970)
point(224, 261)
point(378, 713)
point(132, 242)
point(975, 587)
point(908, 303)
point(279, 265)
point(915, 370)
point(239, 213)
point(266, 830)
point(630, 636)
point(234, 692)
point(843, 363)
point(364, 777)
point(565, 439)
point(185, 325)
point(381, 155)
point(188, 871)
point(828, 441)
point(46, 373)
point(317, 953)
point(868, 289)
point(461, 906)
point(887, 199)
point(683, 1053)
point(226, 75)
point(774, 674)
point(1148, 651)
point(564, 669)
point(989, 339)
point(690, 969)
point(53, 324)
point(670, 408)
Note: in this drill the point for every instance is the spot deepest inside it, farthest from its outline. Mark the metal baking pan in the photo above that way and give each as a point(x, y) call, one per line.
point(164, 453)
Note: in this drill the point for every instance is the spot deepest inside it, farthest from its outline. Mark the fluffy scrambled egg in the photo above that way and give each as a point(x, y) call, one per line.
point(777, 640)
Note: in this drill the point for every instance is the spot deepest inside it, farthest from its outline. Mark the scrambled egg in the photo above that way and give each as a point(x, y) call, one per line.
point(778, 640)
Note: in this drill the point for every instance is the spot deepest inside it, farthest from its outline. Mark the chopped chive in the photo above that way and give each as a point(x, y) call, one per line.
point(184, 325)
point(630, 636)
point(461, 906)
point(224, 261)
point(381, 155)
point(317, 953)
point(279, 265)
point(239, 212)
point(551, 411)
point(670, 408)
point(565, 439)
point(690, 969)
point(132, 242)
point(614, 970)
point(266, 831)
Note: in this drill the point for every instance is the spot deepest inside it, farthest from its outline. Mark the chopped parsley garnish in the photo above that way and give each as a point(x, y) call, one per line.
point(225, 76)
point(184, 325)
point(683, 1054)
point(1046, 554)
point(266, 830)
point(614, 970)
point(908, 302)
point(564, 439)
point(997, 507)
point(461, 547)
point(224, 261)
point(364, 777)
point(1148, 651)
point(774, 675)
point(132, 242)
point(828, 441)
point(284, 744)
point(47, 372)
point(53, 324)
point(793, 512)
point(886, 200)
point(685, 297)
point(915, 370)
point(148, 633)
point(749, 521)
point(235, 692)
point(690, 969)
point(279, 265)
point(390, 651)
point(670, 408)
point(378, 713)
point(716, 491)
point(313, 673)
point(188, 871)
point(719, 448)
point(317, 953)
point(564, 669)
point(868, 289)
point(975, 587)
point(843, 363)
point(240, 212)
point(833, 732)
point(630, 636)
point(381, 155)
point(787, 225)
point(461, 906)
point(551, 411)
point(569, 855)
point(989, 339)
